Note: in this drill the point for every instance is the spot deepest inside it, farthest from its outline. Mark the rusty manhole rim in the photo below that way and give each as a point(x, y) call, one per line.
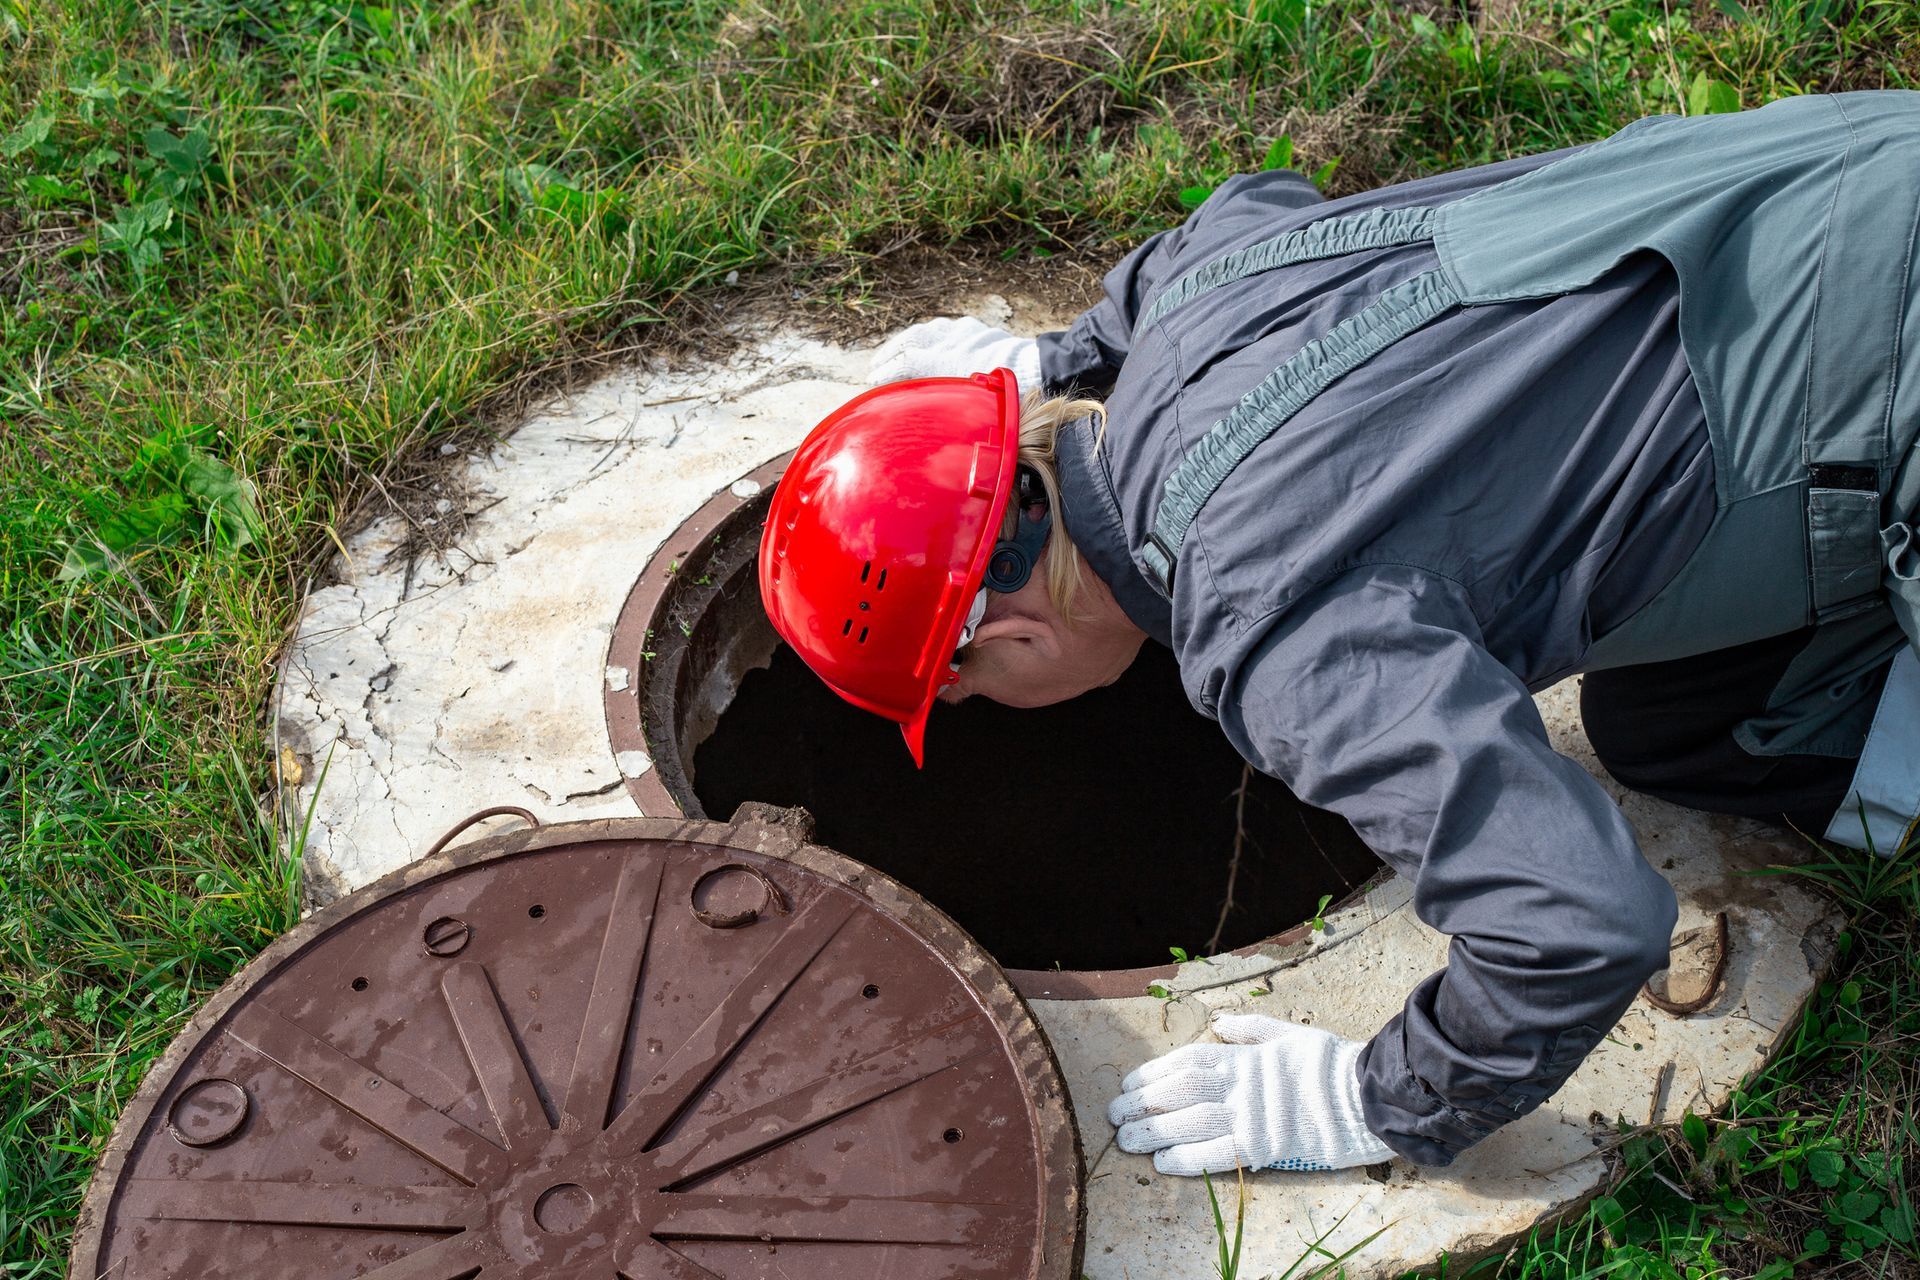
point(1057, 1151)
point(642, 614)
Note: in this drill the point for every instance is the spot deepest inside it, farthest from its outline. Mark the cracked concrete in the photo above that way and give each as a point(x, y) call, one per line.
point(424, 690)
point(418, 692)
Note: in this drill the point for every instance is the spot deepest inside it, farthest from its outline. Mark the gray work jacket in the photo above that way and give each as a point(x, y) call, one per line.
point(1549, 455)
point(1431, 508)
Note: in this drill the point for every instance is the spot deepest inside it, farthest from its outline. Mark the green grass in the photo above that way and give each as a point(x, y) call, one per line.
point(251, 250)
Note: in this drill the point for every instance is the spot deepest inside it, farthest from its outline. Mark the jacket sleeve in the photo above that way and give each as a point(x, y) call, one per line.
point(1376, 698)
point(1086, 358)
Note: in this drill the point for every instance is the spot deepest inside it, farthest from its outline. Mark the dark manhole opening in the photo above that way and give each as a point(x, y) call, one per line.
point(1095, 834)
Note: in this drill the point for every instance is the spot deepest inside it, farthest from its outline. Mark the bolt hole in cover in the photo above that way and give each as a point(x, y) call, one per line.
point(616, 1089)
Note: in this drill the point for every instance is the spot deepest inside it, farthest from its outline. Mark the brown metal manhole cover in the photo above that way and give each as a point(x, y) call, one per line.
point(641, 1048)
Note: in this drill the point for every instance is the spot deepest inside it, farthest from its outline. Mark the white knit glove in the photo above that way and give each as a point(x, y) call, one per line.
point(1275, 1095)
point(954, 349)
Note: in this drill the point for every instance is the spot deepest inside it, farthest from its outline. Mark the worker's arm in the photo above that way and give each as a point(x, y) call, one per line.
point(1375, 698)
point(1086, 358)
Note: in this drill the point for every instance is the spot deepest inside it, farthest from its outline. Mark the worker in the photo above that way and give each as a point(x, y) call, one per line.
point(1377, 469)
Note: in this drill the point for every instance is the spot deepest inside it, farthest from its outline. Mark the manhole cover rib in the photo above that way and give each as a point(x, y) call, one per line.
point(660, 1049)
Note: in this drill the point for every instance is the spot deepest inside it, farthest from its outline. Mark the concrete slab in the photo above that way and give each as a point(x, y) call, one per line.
point(422, 690)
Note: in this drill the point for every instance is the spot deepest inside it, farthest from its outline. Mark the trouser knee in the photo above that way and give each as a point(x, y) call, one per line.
point(1666, 729)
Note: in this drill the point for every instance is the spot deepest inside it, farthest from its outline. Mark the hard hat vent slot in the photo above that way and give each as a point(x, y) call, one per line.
point(846, 628)
point(881, 584)
point(866, 569)
point(863, 636)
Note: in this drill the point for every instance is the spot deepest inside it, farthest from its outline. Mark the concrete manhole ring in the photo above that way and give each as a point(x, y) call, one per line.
point(692, 630)
point(597, 1081)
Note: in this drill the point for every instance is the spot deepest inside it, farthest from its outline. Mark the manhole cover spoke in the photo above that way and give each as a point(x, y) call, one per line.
point(756, 1052)
point(656, 1259)
point(824, 1219)
point(454, 1258)
point(357, 1088)
point(616, 979)
point(495, 1056)
point(699, 1152)
point(304, 1203)
point(663, 1097)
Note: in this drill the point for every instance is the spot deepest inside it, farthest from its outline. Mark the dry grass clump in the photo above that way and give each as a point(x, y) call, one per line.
point(1046, 80)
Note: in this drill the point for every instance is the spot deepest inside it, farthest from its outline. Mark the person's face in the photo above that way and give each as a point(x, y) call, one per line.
point(1025, 655)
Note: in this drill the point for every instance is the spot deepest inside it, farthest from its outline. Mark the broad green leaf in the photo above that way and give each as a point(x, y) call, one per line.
point(1825, 1167)
point(1695, 1130)
point(1897, 1222)
point(185, 156)
point(1861, 1205)
point(1280, 154)
point(1324, 174)
point(1194, 197)
point(528, 181)
point(1733, 1144)
point(1732, 9)
point(30, 133)
point(1708, 96)
point(148, 521)
point(42, 187)
point(1816, 1242)
point(230, 500)
point(134, 225)
point(83, 560)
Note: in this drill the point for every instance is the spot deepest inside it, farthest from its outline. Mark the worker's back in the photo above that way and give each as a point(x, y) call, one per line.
point(1549, 457)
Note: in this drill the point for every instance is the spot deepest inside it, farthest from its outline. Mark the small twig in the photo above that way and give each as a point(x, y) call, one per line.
point(1673, 1186)
point(1233, 866)
point(1660, 1087)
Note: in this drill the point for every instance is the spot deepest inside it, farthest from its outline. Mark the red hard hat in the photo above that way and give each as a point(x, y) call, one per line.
point(879, 536)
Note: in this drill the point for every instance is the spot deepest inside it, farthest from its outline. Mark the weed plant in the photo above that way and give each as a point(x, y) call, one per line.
point(252, 251)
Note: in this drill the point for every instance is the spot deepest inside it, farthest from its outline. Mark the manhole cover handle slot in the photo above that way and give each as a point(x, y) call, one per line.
point(498, 811)
point(772, 899)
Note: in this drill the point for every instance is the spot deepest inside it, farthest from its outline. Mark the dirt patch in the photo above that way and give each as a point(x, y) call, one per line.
point(851, 302)
point(848, 300)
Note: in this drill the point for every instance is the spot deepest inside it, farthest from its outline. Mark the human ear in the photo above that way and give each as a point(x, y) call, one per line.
point(1012, 626)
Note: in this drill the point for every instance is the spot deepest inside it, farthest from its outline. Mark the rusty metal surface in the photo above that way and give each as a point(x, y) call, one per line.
point(706, 564)
point(635, 1048)
point(1696, 973)
point(707, 567)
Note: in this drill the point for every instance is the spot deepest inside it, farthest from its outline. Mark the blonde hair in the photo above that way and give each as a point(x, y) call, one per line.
point(1041, 420)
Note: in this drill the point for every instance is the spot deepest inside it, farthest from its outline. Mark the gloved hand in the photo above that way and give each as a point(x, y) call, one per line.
point(954, 349)
point(1275, 1095)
